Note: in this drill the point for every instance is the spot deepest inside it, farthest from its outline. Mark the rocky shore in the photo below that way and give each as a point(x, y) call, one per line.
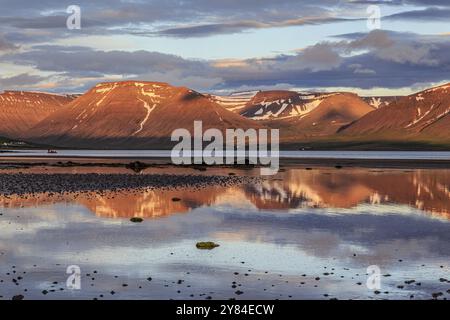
point(22, 183)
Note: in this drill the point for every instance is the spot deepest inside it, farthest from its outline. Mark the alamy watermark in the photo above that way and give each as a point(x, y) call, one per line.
point(73, 281)
point(238, 146)
point(374, 277)
point(73, 21)
point(374, 19)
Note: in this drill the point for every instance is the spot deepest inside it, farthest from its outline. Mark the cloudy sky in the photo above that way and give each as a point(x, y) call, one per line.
point(227, 45)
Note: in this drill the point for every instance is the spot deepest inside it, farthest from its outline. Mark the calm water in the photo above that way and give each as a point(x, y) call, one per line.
point(304, 234)
point(387, 155)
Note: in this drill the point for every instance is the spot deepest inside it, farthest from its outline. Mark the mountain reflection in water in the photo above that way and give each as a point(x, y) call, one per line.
point(426, 190)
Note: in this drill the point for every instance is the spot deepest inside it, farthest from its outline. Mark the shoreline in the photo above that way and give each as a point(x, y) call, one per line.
point(147, 162)
point(57, 183)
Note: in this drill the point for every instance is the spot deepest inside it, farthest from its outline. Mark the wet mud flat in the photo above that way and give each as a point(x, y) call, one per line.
point(241, 280)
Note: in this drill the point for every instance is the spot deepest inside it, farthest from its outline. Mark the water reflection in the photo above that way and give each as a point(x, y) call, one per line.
point(426, 190)
point(265, 246)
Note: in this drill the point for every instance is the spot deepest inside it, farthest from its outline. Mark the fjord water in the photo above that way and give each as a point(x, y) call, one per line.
point(384, 155)
point(304, 234)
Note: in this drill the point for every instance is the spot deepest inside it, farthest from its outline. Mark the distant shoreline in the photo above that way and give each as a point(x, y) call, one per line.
point(147, 162)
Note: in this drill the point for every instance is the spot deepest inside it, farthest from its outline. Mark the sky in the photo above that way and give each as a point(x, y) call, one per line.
point(222, 46)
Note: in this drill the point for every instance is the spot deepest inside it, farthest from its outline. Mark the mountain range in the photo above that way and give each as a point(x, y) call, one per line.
point(131, 114)
point(142, 115)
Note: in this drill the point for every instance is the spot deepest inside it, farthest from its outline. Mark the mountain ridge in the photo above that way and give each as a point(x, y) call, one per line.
point(132, 114)
point(143, 114)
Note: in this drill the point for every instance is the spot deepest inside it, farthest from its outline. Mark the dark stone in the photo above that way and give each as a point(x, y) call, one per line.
point(209, 245)
point(437, 294)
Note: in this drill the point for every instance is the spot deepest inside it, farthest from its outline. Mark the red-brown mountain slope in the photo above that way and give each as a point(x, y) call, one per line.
point(272, 105)
point(19, 110)
point(132, 115)
point(331, 114)
point(424, 115)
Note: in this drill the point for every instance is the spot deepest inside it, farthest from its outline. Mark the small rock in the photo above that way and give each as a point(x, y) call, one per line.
point(437, 294)
point(209, 245)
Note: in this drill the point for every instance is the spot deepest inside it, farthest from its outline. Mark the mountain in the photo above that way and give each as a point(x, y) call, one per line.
point(424, 115)
point(267, 105)
point(132, 114)
point(137, 115)
point(328, 115)
point(301, 115)
point(22, 110)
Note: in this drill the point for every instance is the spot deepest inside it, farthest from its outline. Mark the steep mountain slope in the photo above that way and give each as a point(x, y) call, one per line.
point(19, 110)
point(132, 115)
point(422, 115)
point(331, 114)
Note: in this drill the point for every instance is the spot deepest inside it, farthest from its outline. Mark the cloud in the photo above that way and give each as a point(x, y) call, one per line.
point(83, 60)
point(195, 18)
point(382, 59)
point(23, 79)
point(6, 45)
point(359, 69)
point(395, 48)
point(376, 59)
point(44, 22)
point(75, 62)
point(441, 3)
point(170, 18)
point(240, 26)
point(428, 14)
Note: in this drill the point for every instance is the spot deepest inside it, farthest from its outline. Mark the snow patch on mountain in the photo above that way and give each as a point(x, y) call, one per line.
point(420, 98)
point(419, 111)
point(235, 101)
point(105, 91)
point(375, 102)
point(149, 111)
